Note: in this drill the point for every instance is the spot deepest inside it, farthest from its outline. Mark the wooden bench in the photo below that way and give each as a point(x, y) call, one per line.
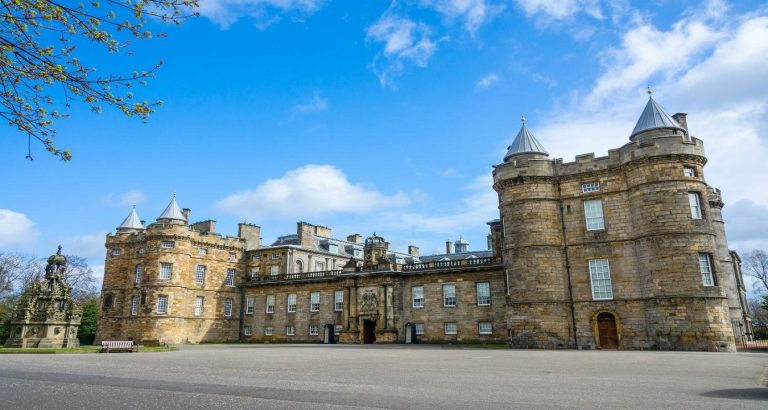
point(118, 345)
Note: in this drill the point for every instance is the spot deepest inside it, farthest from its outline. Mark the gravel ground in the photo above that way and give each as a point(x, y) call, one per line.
point(398, 377)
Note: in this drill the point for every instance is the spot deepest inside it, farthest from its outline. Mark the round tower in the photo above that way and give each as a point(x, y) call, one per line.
point(675, 239)
point(532, 247)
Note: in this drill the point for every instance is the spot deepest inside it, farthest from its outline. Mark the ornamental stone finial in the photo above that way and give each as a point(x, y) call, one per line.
point(522, 119)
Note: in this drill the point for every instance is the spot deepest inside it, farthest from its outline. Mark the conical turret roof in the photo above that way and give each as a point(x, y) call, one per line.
point(132, 221)
point(525, 143)
point(172, 212)
point(654, 117)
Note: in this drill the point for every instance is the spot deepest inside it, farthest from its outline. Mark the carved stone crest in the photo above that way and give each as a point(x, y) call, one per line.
point(370, 301)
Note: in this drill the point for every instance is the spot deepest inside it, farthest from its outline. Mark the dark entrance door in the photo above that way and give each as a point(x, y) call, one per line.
point(369, 331)
point(606, 330)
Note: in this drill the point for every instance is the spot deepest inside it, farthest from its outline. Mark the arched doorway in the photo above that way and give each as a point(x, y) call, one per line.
point(607, 331)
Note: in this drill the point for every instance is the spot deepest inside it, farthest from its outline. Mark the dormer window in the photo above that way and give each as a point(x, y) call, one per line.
point(333, 248)
point(590, 187)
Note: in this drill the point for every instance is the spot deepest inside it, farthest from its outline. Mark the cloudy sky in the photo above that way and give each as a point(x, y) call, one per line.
point(387, 116)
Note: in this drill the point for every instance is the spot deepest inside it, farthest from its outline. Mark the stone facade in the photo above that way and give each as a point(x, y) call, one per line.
point(625, 251)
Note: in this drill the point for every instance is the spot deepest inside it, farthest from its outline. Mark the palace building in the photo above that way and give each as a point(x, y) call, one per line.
point(625, 251)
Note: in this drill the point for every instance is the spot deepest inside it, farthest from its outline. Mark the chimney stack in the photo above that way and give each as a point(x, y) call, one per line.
point(448, 247)
point(185, 212)
point(413, 250)
point(681, 119)
point(355, 238)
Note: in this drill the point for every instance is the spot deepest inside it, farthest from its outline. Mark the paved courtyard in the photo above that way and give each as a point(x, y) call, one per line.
point(399, 377)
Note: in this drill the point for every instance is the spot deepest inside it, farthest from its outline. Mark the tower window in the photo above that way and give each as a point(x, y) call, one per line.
point(590, 187)
point(600, 276)
point(200, 275)
point(593, 214)
point(162, 304)
point(705, 267)
point(199, 305)
point(228, 307)
point(230, 277)
point(689, 171)
point(165, 270)
point(694, 200)
point(168, 244)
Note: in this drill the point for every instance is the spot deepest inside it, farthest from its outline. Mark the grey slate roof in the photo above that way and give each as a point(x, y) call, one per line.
point(132, 221)
point(654, 117)
point(172, 212)
point(457, 256)
point(525, 143)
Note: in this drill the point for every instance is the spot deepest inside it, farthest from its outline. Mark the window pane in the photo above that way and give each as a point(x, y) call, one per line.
point(483, 293)
point(706, 270)
point(450, 328)
point(600, 275)
point(418, 296)
point(694, 200)
point(228, 307)
point(485, 328)
point(270, 303)
point(338, 298)
point(165, 270)
point(200, 274)
point(449, 295)
point(199, 305)
point(593, 213)
point(314, 301)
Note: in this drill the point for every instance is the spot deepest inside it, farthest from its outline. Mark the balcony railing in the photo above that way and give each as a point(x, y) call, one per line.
point(491, 260)
point(298, 276)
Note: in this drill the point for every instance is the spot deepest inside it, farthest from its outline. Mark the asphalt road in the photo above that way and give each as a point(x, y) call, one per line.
point(398, 377)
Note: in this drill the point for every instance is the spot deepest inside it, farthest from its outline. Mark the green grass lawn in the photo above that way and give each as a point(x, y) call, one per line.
point(81, 349)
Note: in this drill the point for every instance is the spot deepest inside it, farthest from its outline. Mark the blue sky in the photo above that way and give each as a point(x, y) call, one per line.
point(387, 116)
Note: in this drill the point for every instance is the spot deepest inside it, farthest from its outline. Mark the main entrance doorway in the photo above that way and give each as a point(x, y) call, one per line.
point(607, 332)
point(369, 331)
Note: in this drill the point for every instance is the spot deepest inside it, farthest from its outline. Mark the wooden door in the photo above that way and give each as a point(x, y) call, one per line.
point(607, 332)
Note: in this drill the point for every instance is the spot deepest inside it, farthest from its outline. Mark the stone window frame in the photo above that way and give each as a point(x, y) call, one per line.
point(290, 330)
point(592, 220)
point(420, 328)
point(117, 251)
point(270, 307)
point(338, 300)
point(695, 204)
point(706, 268)
point(291, 307)
point(168, 244)
point(247, 331)
point(483, 300)
point(200, 274)
point(269, 330)
point(450, 328)
point(314, 301)
point(689, 171)
point(275, 256)
point(274, 270)
point(448, 300)
point(199, 305)
point(202, 251)
point(134, 305)
point(162, 305)
point(250, 303)
point(232, 256)
point(228, 307)
point(165, 274)
point(485, 328)
point(137, 273)
point(590, 187)
point(109, 301)
point(600, 279)
point(254, 272)
point(229, 280)
point(417, 303)
point(314, 330)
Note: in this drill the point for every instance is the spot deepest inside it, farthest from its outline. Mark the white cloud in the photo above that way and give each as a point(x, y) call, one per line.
point(709, 64)
point(472, 13)
point(306, 192)
point(405, 41)
point(89, 246)
point(226, 12)
point(487, 81)
point(477, 207)
point(126, 199)
point(317, 104)
point(16, 229)
point(561, 9)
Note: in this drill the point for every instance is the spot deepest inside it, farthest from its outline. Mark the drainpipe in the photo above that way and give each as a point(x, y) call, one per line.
point(242, 315)
point(567, 258)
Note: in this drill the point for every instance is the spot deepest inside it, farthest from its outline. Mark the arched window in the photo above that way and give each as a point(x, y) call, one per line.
point(299, 266)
